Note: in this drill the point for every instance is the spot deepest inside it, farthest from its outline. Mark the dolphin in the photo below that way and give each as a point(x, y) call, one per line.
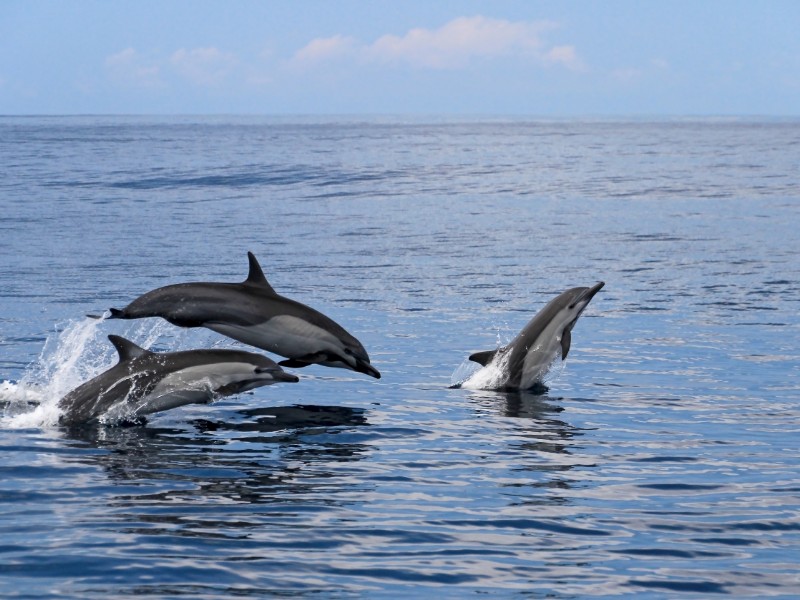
point(529, 355)
point(145, 382)
point(254, 313)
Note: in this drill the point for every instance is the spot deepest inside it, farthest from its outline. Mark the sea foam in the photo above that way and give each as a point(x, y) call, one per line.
point(75, 353)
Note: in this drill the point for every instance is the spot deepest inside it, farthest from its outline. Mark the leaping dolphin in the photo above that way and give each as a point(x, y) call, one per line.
point(526, 359)
point(254, 313)
point(145, 382)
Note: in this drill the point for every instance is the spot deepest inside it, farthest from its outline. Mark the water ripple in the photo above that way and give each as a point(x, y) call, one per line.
point(661, 463)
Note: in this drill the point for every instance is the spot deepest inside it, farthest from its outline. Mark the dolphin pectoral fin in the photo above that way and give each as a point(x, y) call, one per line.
point(566, 340)
point(483, 358)
point(294, 363)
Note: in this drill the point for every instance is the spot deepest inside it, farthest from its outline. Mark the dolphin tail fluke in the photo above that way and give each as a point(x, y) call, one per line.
point(117, 313)
point(484, 358)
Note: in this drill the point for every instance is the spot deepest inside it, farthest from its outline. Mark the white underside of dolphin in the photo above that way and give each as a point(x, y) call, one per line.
point(292, 335)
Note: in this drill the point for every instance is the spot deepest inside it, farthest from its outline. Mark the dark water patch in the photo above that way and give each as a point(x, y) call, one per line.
point(526, 524)
point(697, 587)
point(666, 459)
point(260, 177)
point(227, 181)
point(767, 526)
point(444, 577)
point(670, 553)
point(653, 237)
point(727, 541)
point(678, 487)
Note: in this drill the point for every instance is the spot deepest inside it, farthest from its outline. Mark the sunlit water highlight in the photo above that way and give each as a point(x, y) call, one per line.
point(663, 462)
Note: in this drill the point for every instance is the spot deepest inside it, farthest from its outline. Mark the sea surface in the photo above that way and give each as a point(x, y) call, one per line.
point(663, 462)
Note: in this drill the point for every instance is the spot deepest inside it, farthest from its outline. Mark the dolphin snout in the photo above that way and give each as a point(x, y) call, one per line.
point(279, 374)
point(594, 289)
point(367, 369)
point(284, 376)
point(587, 295)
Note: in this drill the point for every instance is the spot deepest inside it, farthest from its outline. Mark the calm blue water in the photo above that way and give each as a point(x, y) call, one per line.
point(663, 462)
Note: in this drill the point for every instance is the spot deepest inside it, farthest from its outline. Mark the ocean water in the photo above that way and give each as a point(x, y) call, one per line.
point(663, 462)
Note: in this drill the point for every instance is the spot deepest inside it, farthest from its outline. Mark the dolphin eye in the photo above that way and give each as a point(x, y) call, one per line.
point(348, 351)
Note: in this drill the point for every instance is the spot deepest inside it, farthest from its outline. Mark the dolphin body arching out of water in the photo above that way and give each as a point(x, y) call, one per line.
point(252, 312)
point(527, 358)
point(145, 382)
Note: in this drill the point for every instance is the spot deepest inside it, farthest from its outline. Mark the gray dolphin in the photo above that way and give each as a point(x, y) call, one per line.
point(526, 359)
point(145, 382)
point(254, 313)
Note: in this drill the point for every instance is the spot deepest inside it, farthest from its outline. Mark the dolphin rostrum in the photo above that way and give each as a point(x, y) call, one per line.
point(529, 355)
point(145, 382)
point(254, 313)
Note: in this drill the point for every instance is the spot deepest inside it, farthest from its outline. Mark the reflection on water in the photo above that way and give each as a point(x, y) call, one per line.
point(270, 419)
point(662, 462)
point(256, 455)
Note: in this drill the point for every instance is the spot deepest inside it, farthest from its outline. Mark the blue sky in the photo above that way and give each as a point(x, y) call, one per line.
point(499, 57)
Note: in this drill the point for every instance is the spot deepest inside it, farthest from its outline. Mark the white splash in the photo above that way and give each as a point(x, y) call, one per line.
point(69, 357)
point(74, 354)
point(471, 376)
point(491, 377)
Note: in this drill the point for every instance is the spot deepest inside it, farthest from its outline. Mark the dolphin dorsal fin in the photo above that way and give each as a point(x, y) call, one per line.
point(256, 275)
point(484, 358)
point(126, 348)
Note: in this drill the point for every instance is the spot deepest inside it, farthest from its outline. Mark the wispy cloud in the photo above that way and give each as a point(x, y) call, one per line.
point(565, 56)
point(129, 68)
point(458, 44)
point(461, 44)
point(203, 66)
point(461, 41)
point(324, 49)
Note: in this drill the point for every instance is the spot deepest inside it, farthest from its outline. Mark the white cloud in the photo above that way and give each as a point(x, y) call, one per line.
point(129, 68)
point(203, 66)
point(457, 44)
point(323, 49)
point(565, 56)
point(461, 41)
